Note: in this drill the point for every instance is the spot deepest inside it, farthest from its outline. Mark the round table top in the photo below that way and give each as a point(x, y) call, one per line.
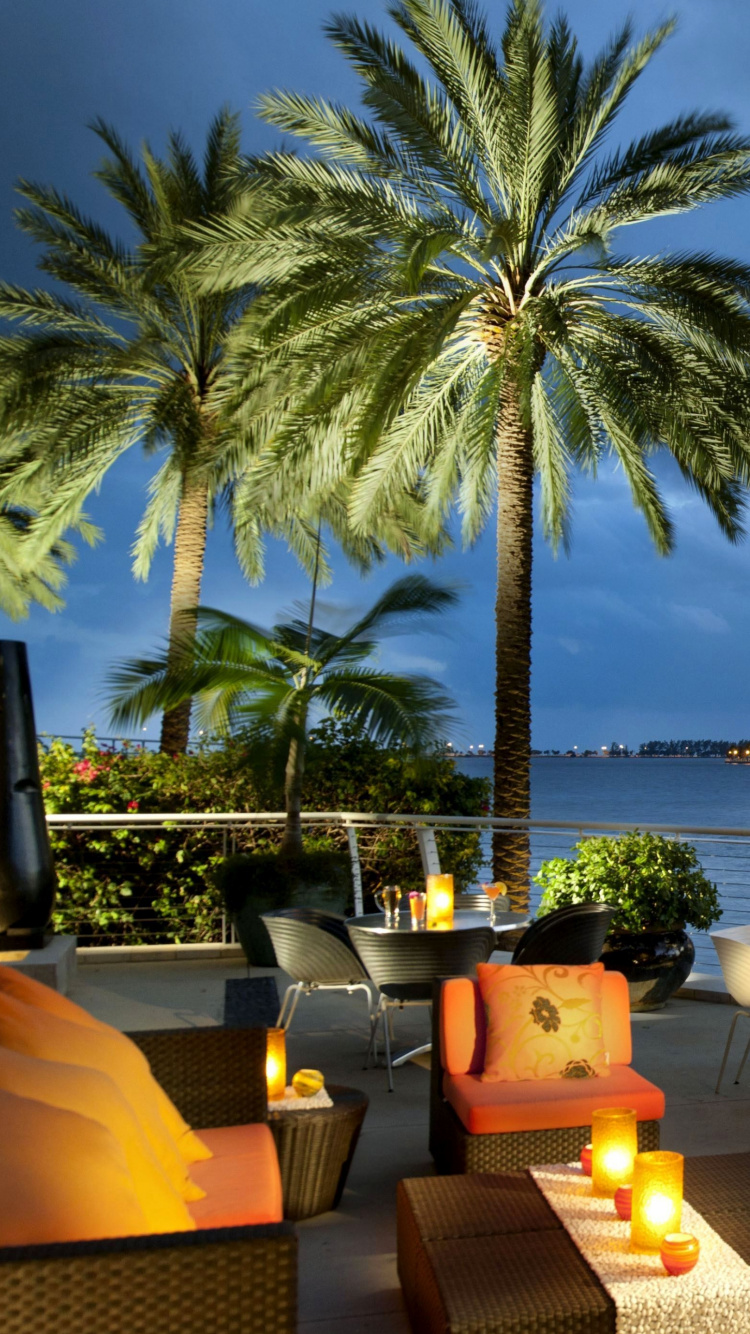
point(346, 1101)
point(463, 920)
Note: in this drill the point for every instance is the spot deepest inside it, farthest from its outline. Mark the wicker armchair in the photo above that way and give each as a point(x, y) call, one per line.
point(241, 1280)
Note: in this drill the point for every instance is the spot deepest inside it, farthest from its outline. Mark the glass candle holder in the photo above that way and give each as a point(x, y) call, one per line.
point(679, 1252)
point(275, 1063)
point(440, 902)
point(657, 1199)
point(614, 1145)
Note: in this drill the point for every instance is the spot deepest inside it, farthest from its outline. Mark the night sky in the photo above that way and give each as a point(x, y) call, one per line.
point(627, 646)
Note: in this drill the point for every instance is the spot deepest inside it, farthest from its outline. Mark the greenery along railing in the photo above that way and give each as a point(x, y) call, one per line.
point(139, 878)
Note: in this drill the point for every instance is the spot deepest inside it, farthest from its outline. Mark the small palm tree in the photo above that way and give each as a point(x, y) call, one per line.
point(447, 270)
point(243, 676)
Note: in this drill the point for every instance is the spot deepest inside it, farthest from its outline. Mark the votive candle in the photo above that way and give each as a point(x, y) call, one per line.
point(275, 1063)
point(679, 1252)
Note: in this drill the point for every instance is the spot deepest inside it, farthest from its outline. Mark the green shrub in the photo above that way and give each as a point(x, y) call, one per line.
point(136, 885)
point(655, 882)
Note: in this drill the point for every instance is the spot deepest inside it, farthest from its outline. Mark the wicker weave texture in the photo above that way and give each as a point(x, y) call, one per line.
point(473, 1286)
point(239, 1284)
point(315, 1150)
point(215, 1076)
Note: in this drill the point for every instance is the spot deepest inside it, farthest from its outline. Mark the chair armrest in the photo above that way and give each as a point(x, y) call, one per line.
point(215, 1076)
point(242, 1278)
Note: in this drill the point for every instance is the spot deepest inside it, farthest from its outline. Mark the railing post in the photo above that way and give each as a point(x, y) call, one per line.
point(351, 835)
point(428, 851)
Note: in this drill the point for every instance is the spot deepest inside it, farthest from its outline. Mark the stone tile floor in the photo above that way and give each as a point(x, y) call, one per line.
point(348, 1280)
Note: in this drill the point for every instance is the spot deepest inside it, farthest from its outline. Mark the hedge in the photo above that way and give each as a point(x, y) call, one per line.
point(135, 886)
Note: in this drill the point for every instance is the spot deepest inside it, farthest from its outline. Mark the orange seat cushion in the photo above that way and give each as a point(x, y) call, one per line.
point(64, 1177)
point(242, 1180)
point(26, 989)
point(463, 1030)
point(487, 1108)
point(40, 1033)
point(544, 1021)
point(95, 1096)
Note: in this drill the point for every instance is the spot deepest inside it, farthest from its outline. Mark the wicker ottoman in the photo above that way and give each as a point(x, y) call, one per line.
point(485, 1254)
point(315, 1151)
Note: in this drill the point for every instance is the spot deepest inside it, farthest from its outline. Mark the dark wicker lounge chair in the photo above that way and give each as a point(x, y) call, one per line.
point(240, 1280)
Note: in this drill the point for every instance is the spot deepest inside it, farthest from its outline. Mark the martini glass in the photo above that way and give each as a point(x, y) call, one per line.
point(493, 891)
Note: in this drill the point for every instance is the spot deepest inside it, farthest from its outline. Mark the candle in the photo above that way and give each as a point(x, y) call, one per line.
point(657, 1199)
point(586, 1159)
point(679, 1252)
point(440, 902)
point(624, 1202)
point(614, 1144)
point(275, 1063)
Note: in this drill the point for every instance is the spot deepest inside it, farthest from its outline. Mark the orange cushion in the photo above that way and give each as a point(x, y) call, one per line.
point(25, 989)
point(487, 1108)
point(93, 1094)
point(64, 1177)
point(242, 1180)
point(462, 1026)
point(544, 1021)
point(40, 1033)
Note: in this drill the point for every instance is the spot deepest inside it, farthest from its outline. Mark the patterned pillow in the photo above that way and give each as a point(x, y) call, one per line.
point(543, 1021)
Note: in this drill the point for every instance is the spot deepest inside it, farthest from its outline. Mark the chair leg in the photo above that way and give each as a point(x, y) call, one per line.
point(726, 1049)
point(742, 1062)
point(292, 987)
point(387, 1036)
point(297, 993)
point(374, 1021)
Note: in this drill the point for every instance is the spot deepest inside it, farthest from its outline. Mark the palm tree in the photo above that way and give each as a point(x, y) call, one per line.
point(243, 676)
point(451, 285)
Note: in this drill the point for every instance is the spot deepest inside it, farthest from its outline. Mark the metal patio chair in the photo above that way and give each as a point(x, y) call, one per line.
point(571, 935)
point(313, 947)
point(404, 965)
point(733, 948)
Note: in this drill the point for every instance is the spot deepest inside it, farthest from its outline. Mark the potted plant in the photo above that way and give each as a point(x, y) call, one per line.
point(658, 888)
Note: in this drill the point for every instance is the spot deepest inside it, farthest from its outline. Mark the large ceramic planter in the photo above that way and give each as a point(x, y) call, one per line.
point(655, 963)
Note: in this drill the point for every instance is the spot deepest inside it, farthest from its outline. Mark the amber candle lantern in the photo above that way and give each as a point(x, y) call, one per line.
point(275, 1063)
point(440, 902)
point(657, 1199)
point(614, 1144)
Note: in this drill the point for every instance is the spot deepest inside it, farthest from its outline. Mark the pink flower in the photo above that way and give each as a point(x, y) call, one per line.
point(133, 805)
point(46, 783)
point(85, 771)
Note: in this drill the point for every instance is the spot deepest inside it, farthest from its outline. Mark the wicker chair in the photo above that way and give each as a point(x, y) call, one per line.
point(404, 965)
point(233, 1279)
point(571, 935)
point(733, 948)
point(313, 947)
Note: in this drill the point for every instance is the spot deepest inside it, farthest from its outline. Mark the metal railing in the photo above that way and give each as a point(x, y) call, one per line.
point(724, 853)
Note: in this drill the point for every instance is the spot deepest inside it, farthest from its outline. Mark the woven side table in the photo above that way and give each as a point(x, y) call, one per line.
point(315, 1150)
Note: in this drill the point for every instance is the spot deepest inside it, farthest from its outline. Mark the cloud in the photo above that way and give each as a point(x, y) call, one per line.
point(702, 618)
point(412, 662)
point(570, 645)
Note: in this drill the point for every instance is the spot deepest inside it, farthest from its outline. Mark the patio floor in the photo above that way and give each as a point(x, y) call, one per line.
point(348, 1280)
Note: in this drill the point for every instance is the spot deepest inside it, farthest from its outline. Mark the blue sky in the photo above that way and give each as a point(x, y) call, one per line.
point(627, 646)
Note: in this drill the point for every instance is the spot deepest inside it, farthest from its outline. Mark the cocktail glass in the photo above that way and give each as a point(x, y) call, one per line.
point(418, 908)
point(493, 891)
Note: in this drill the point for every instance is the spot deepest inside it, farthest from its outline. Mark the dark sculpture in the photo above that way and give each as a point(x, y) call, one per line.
point(27, 872)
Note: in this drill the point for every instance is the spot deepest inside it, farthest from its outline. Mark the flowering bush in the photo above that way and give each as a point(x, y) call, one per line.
point(134, 885)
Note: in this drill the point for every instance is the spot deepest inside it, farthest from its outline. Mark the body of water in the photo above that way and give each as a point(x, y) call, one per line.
point(668, 793)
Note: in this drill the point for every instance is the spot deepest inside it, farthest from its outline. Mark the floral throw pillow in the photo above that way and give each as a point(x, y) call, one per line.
point(543, 1021)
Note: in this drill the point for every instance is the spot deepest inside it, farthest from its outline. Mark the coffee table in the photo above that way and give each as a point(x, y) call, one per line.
point(315, 1150)
point(486, 1254)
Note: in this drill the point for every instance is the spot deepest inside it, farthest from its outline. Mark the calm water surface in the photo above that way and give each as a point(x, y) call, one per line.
point(704, 793)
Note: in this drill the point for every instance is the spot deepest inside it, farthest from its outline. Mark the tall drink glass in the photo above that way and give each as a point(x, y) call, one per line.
point(493, 891)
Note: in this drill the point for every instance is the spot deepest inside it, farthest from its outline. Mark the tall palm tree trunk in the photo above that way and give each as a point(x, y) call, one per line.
point(291, 843)
point(189, 553)
point(515, 475)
